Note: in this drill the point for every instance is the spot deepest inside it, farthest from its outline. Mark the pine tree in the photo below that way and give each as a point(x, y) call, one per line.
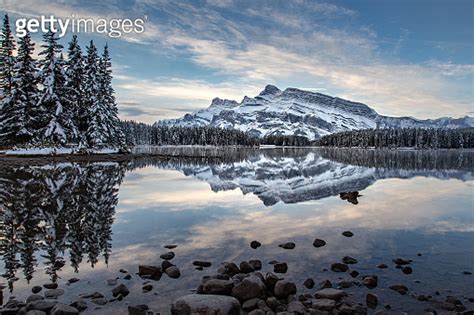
point(74, 87)
point(115, 138)
point(7, 63)
point(20, 112)
point(56, 126)
point(95, 130)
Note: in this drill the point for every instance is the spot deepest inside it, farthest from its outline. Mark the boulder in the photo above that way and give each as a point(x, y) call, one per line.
point(218, 286)
point(283, 289)
point(250, 287)
point(330, 293)
point(319, 243)
point(205, 304)
point(63, 309)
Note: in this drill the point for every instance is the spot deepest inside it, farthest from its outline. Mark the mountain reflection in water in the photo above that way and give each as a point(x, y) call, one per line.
point(53, 209)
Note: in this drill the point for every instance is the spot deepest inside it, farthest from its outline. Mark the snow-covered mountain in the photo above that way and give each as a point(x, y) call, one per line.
point(301, 113)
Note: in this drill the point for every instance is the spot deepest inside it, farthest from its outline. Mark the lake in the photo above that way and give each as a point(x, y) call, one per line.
point(88, 220)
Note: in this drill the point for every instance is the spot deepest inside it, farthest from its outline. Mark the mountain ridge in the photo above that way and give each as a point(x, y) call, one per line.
point(296, 112)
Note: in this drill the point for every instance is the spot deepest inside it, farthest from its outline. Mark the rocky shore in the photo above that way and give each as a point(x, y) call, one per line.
point(244, 288)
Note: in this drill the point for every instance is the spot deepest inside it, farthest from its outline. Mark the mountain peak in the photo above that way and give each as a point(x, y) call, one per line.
point(219, 102)
point(270, 90)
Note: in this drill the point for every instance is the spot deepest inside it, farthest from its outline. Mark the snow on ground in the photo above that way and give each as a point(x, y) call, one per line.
point(59, 151)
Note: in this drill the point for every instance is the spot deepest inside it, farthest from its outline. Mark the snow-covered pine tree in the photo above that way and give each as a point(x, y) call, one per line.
point(115, 135)
point(20, 112)
point(7, 63)
point(96, 131)
point(57, 127)
point(74, 86)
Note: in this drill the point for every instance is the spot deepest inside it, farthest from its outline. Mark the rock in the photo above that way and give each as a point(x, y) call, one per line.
point(349, 260)
point(330, 293)
point(347, 233)
point(33, 312)
point(401, 261)
point(370, 281)
point(467, 273)
point(34, 297)
point(36, 289)
point(270, 281)
point(250, 287)
point(138, 309)
point(339, 267)
point(111, 281)
point(284, 288)
point(256, 264)
point(245, 267)
point(173, 272)
point(257, 312)
point(200, 263)
point(218, 286)
point(50, 286)
point(280, 268)
point(354, 273)
point(63, 309)
point(99, 301)
point(127, 277)
point(325, 284)
point(53, 294)
point(289, 245)
point(167, 256)
point(205, 304)
point(123, 271)
point(172, 246)
point(382, 266)
point(79, 305)
point(94, 295)
point(73, 280)
point(344, 284)
point(319, 243)
point(147, 288)
point(250, 305)
point(371, 300)
point(296, 308)
point(324, 304)
point(309, 283)
point(231, 268)
point(165, 265)
point(255, 244)
point(40, 305)
point(150, 272)
point(453, 300)
point(120, 289)
point(407, 270)
point(422, 297)
point(400, 288)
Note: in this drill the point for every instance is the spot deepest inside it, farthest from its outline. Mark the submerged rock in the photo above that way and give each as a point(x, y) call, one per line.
point(400, 261)
point(200, 263)
point(36, 289)
point(309, 283)
point(138, 309)
point(205, 304)
point(339, 267)
point(400, 288)
point(280, 268)
point(63, 309)
point(347, 233)
point(172, 246)
point(349, 260)
point(50, 286)
point(173, 272)
point(319, 243)
point(407, 270)
point(150, 272)
point(167, 256)
point(289, 245)
point(121, 289)
point(53, 294)
point(255, 244)
point(371, 300)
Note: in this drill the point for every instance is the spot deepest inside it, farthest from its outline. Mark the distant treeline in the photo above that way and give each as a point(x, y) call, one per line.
point(144, 134)
point(280, 140)
point(402, 138)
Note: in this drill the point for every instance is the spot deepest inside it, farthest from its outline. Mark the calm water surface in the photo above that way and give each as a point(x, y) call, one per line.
point(88, 220)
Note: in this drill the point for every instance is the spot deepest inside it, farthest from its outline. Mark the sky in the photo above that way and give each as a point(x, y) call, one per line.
point(402, 58)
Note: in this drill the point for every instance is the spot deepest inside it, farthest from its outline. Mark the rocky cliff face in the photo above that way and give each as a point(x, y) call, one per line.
point(301, 113)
